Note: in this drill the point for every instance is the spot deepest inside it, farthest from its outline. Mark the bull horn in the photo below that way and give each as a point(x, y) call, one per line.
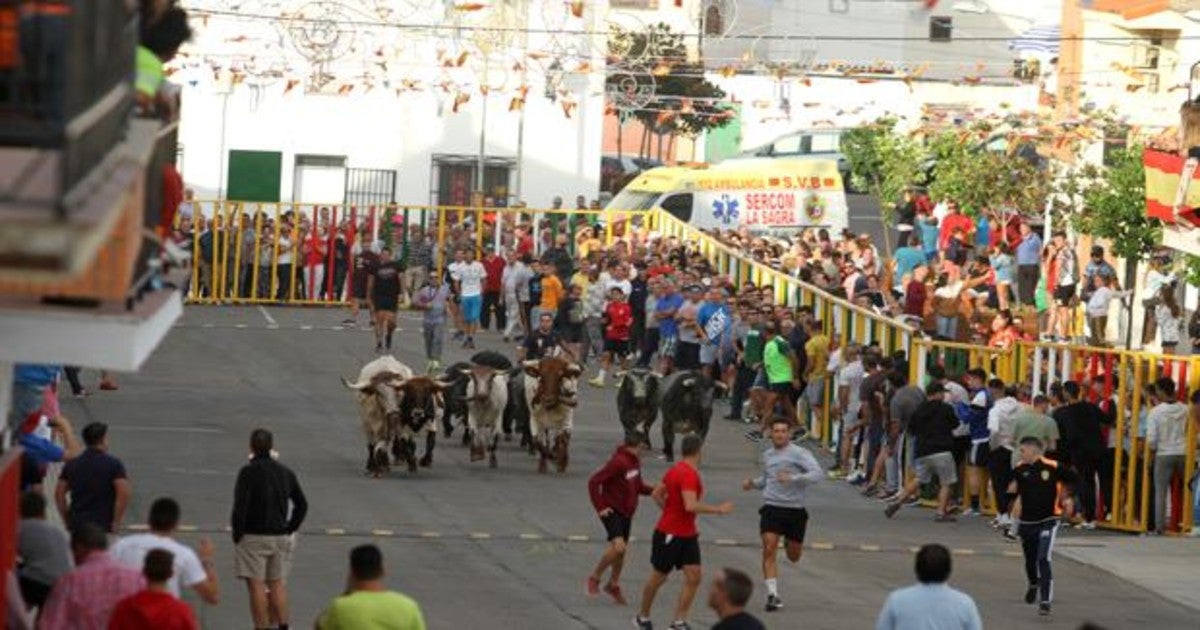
point(354, 386)
point(440, 384)
point(466, 371)
point(531, 364)
point(688, 382)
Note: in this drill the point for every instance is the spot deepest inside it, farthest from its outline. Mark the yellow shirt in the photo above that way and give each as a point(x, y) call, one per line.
point(817, 350)
point(552, 293)
point(372, 610)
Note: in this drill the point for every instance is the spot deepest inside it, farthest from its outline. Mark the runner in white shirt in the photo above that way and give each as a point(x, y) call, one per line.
point(195, 571)
point(469, 276)
point(849, 381)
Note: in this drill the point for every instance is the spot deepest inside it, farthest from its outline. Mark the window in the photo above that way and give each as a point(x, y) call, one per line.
point(680, 206)
point(941, 28)
point(824, 143)
point(713, 24)
point(791, 145)
point(456, 180)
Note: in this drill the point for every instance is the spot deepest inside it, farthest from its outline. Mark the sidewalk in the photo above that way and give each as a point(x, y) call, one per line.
point(1166, 566)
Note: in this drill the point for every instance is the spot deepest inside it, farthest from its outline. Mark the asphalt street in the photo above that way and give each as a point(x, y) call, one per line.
point(482, 548)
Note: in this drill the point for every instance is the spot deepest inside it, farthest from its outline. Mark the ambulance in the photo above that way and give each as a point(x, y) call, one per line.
point(764, 195)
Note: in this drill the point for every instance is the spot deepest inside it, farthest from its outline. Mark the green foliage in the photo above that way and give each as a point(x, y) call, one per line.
point(883, 161)
point(980, 177)
point(684, 102)
point(1114, 205)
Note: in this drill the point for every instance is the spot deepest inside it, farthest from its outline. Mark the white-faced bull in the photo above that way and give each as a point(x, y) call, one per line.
point(552, 391)
point(487, 395)
point(686, 403)
point(379, 407)
point(637, 401)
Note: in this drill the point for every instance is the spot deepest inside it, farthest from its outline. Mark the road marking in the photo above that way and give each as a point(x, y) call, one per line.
point(267, 316)
point(188, 528)
point(430, 535)
point(195, 471)
point(382, 532)
point(577, 538)
point(480, 536)
point(726, 542)
point(531, 536)
point(963, 552)
point(335, 531)
point(335, 328)
point(140, 527)
point(150, 427)
point(306, 327)
point(823, 546)
point(1013, 554)
point(208, 325)
point(868, 547)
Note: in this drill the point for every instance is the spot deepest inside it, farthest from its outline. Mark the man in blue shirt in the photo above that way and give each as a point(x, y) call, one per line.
point(1029, 260)
point(931, 603)
point(929, 237)
point(714, 318)
point(668, 329)
point(28, 386)
point(908, 258)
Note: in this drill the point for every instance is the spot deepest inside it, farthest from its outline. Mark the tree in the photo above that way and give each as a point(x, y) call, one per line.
point(979, 177)
point(681, 101)
point(883, 162)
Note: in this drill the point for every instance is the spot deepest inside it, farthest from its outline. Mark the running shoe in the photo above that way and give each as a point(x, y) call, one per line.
point(1044, 609)
point(754, 435)
point(458, 334)
point(870, 490)
point(642, 624)
point(596, 382)
point(1088, 525)
point(614, 591)
point(972, 512)
point(679, 625)
point(1031, 594)
point(593, 586)
point(913, 500)
point(891, 509)
point(889, 496)
point(944, 518)
point(774, 603)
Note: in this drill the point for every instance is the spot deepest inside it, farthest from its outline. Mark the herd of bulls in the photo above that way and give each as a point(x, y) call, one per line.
point(489, 396)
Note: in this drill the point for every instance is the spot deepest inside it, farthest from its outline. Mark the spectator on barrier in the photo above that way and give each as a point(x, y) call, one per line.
point(96, 483)
point(1082, 444)
point(160, 41)
point(43, 548)
point(155, 607)
point(1166, 437)
point(29, 383)
point(195, 571)
point(1168, 317)
point(1029, 250)
point(84, 598)
point(930, 603)
point(367, 601)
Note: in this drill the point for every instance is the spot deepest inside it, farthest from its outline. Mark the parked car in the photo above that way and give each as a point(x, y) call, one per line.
point(807, 144)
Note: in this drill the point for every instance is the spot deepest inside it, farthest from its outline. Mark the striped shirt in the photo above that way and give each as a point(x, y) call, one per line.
point(84, 599)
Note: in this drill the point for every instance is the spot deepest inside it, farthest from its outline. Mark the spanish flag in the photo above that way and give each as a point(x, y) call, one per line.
point(1166, 200)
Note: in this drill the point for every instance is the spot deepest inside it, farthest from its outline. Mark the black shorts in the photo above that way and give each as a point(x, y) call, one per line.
point(791, 523)
point(617, 525)
point(617, 347)
point(783, 389)
point(570, 333)
point(360, 290)
point(387, 303)
point(668, 553)
point(1063, 294)
point(978, 455)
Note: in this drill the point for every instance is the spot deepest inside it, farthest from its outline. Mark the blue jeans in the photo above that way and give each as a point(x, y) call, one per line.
point(947, 327)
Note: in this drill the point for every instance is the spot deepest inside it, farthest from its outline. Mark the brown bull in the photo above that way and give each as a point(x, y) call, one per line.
point(552, 391)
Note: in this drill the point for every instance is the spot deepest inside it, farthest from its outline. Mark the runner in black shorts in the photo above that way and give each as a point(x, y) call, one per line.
point(614, 490)
point(787, 469)
point(383, 288)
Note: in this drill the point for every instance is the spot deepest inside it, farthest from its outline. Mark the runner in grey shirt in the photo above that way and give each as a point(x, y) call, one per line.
point(787, 470)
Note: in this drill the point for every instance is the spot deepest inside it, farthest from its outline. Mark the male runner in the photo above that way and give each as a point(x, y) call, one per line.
point(676, 541)
point(1043, 490)
point(614, 490)
point(383, 289)
point(787, 470)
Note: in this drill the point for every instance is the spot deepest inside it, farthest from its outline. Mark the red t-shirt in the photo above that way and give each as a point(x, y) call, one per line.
point(951, 222)
point(675, 520)
point(525, 245)
point(495, 273)
point(316, 250)
point(152, 610)
point(620, 319)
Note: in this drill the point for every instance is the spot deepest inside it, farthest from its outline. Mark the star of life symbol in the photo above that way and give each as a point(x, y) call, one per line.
point(725, 209)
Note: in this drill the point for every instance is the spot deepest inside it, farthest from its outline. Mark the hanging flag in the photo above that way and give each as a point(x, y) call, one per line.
point(460, 99)
point(1164, 199)
point(291, 83)
point(568, 107)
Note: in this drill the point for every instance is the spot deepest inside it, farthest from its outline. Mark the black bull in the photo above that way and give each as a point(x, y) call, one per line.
point(686, 403)
point(637, 402)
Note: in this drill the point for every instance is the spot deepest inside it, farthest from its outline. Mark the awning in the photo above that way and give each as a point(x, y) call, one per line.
point(1039, 39)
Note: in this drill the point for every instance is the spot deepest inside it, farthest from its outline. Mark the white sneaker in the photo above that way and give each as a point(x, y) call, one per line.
point(856, 477)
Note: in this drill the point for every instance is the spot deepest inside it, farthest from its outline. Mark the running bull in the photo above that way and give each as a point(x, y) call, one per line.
point(487, 396)
point(686, 403)
point(552, 392)
point(637, 401)
point(394, 406)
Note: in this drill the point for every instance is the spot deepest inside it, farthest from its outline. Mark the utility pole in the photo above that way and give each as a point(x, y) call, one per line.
point(1070, 61)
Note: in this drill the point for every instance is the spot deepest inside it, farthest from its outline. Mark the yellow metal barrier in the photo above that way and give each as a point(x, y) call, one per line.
point(303, 254)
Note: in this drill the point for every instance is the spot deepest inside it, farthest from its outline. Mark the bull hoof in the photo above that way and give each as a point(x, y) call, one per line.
point(543, 467)
point(492, 463)
point(427, 461)
point(476, 454)
point(447, 432)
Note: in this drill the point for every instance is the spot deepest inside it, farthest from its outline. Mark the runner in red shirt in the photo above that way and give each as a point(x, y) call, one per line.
point(618, 317)
point(676, 541)
point(614, 490)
